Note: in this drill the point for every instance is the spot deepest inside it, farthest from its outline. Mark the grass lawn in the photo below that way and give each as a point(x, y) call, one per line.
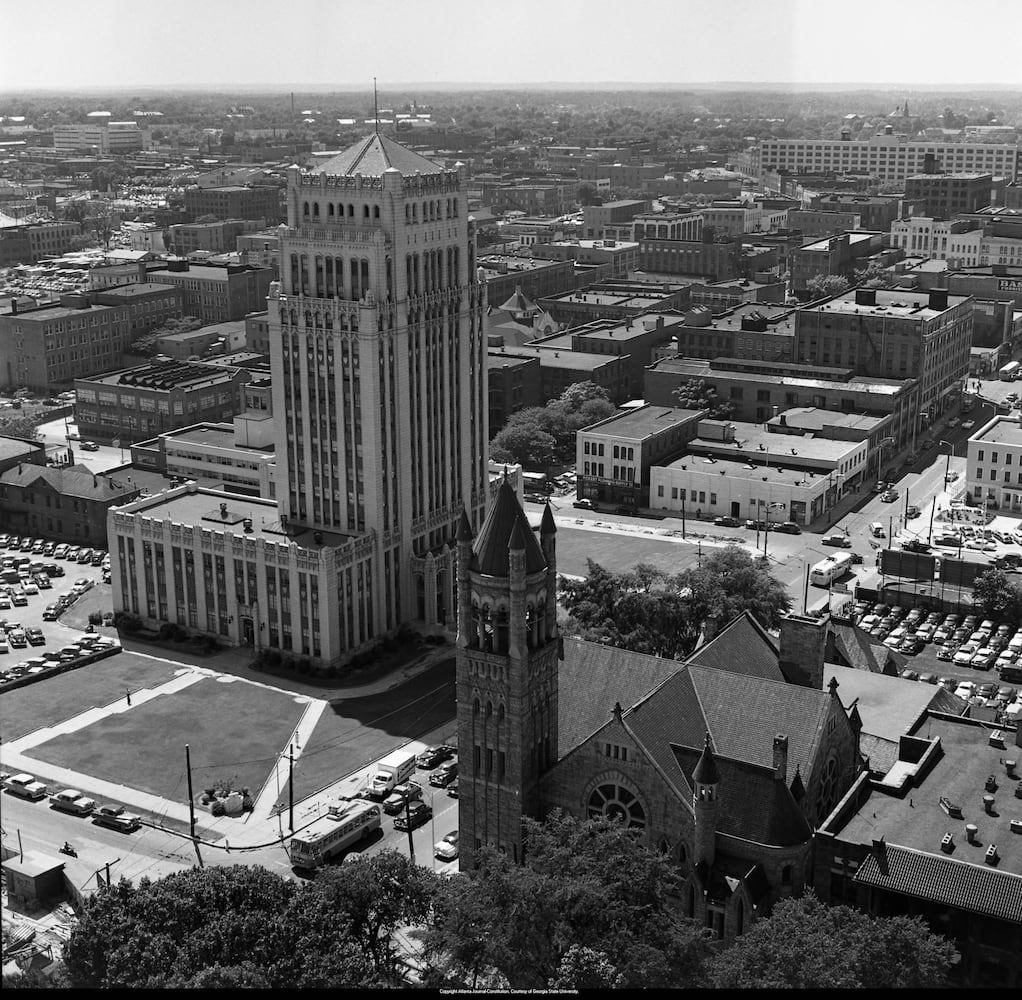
point(55, 699)
point(619, 553)
point(354, 731)
point(234, 731)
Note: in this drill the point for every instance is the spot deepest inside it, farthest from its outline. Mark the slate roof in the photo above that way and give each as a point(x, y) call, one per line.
point(945, 880)
point(69, 482)
point(592, 677)
point(752, 803)
point(742, 646)
point(518, 303)
point(881, 752)
point(374, 155)
point(505, 523)
point(855, 648)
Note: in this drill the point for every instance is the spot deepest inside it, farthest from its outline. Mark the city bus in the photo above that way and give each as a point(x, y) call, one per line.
point(825, 572)
point(346, 824)
point(1011, 371)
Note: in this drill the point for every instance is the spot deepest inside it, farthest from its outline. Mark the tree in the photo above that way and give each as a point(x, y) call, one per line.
point(698, 394)
point(824, 285)
point(248, 927)
point(587, 195)
point(873, 276)
point(649, 611)
point(997, 596)
point(525, 444)
point(26, 428)
point(804, 944)
point(588, 905)
point(146, 343)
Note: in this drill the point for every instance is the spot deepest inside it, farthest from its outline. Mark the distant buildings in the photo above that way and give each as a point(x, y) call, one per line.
point(27, 243)
point(102, 136)
point(261, 201)
point(214, 237)
point(945, 195)
point(615, 300)
point(217, 293)
point(841, 255)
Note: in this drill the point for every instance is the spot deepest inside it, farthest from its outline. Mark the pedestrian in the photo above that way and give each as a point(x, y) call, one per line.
point(127, 694)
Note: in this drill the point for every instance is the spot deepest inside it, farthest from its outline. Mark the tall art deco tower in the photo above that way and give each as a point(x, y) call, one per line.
point(379, 380)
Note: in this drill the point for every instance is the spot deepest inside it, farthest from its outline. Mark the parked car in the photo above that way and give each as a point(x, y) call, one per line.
point(89, 446)
point(915, 545)
point(927, 678)
point(116, 818)
point(953, 541)
point(841, 541)
point(966, 689)
point(25, 786)
point(788, 528)
point(889, 496)
point(444, 774)
point(417, 814)
point(726, 521)
point(584, 504)
point(447, 849)
point(35, 636)
point(911, 646)
point(72, 801)
point(430, 757)
point(60, 552)
point(912, 511)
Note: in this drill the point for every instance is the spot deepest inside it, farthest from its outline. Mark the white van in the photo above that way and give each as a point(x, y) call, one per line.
point(876, 529)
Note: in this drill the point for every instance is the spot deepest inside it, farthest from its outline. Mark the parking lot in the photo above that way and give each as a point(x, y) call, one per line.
point(35, 595)
point(949, 649)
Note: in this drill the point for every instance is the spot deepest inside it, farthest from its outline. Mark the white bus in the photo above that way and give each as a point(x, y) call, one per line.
point(1011, 371)
point(825, 572)
point(345, 825)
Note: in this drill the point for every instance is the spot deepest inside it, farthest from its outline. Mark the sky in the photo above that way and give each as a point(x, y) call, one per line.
point(343, 44)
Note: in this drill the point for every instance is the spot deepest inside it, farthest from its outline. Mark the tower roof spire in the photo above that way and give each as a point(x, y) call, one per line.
point(376, 109)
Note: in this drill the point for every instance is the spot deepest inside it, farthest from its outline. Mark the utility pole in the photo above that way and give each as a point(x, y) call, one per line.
point(683, 516)
point(191, 796)
point(408, 822)
point(291, 788)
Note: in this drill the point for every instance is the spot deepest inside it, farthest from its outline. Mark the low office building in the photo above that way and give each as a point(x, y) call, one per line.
point(257, 332)
point(560, 368)
point(67, 504)
point(839, 256)
point(216, 452)
point(217, 293)
point(219, 338)
point(17, 451)
point(613, 458)
point(506, 273)
point(758, 390)
point(86, 333)
point(27, 243)
point(615, 300)
point(623, 257)
point(595, 218)
point(993, 472)
point(258, 201)
point(137, 403)
point(703, 258)
point(213, 237)
point(743, 470)
point(514, 383)
point(720, 295)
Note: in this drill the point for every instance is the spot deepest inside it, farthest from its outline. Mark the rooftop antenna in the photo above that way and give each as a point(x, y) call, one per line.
point(376, 109)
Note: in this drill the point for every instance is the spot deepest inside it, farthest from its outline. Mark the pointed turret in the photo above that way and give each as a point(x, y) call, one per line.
point(465, 532)
point(706, 770)
point(797, 788)
point(491, 547)
point(705, 779)
point(547, 526)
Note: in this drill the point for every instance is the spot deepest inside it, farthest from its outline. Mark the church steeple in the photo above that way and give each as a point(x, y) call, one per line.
point(506, 673)
point(705, 782)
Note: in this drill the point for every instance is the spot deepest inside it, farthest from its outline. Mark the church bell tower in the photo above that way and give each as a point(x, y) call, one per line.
point(506, 673)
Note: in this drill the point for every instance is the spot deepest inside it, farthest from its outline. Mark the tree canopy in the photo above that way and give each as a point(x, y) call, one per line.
point(698, 394)
point(242, 926)
point(998, 596)
point(823, 285)
point(804, 944)
point(541, 436)
point(588, 906)
point(650, 611)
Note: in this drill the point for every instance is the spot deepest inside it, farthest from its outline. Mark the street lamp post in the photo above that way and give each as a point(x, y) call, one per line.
point(951, 451)
point(766, 529)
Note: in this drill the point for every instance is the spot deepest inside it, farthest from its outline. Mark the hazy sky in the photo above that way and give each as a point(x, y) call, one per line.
point(67, 44)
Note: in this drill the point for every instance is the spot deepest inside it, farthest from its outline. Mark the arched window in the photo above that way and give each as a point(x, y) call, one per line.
point(315, 210)
point(617, 803)
point(330, 209)
point(500, 713)
point(475, 707)
point(365, 211)
point(305, 210)
point(739, 917)
point(415, 212)
point(351, 211)
point(376, 211)
point(408, 213)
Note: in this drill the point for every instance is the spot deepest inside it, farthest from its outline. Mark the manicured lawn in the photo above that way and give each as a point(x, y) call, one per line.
point(233, 729)
point(56, 699)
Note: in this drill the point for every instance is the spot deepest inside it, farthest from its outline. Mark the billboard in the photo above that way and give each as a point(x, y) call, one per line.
point(914, 565)
point(960, 572)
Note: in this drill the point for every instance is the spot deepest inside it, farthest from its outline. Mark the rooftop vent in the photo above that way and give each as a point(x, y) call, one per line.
point(248, 525)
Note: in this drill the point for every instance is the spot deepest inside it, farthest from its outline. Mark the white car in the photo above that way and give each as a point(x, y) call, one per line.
point(447, 849)
point(72, 801)
point(966, 690)
point(964, 654)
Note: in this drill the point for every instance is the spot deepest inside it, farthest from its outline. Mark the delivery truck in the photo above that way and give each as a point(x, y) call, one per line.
point(394, 769)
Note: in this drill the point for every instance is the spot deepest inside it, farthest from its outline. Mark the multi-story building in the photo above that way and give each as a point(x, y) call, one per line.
point(214, 237)
point(893, 333)
point(86, 334)
point(137, 403)
point(16, 451)
point(257, 332)
point(69, 504)
point(514, 384)
point(595, 218)
point(560, 368)
point(839, 255)
point(812, 223)
point(27, 243)
point(888, 157)
point(261, 247)
point(217, 293)
point(102, 137)
point(759, 390)
point(956, 241)
point(257, 201)
point(613, 457)
point(220, 338)
point(718, 296)
point(759, 332)
point(944, 196)
point(215, 453)
point(994, 464)
point(536, 278)
point(875, 212)
point(705, 257)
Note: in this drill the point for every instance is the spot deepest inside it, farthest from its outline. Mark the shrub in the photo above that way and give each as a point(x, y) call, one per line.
point(303, 666)
point(95, 617)
point(165, 631)
point(178, 634)
point(126, 622)
point(217, 809)
point(274, 658)
point(206, 798)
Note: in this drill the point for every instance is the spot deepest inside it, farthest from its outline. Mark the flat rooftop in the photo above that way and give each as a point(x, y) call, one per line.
point(211, 435)
point(494, 263)
point(698, 368)
point(165, 376)
point(136, 290)
point(901, 303)
point(916, 821)
point(757, 439)
point(644, 421)
point(761, 475)
point(625, 329)
point(853, 238)
point(815, 418)
point(201, 509)
point(780, 319)
point(563, 357)
point(1000, 430)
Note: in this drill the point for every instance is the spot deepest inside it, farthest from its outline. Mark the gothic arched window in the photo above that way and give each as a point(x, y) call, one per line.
point(617, 803)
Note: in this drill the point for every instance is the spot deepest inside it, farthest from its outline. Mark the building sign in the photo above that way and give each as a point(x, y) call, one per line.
point(1009, 284)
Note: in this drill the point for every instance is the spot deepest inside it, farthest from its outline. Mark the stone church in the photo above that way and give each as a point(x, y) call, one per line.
point(726, 762)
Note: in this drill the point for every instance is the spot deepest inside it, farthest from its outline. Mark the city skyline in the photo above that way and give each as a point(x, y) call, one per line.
point(797, 43)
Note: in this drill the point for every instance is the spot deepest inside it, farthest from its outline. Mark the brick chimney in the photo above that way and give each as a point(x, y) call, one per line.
point(803, 643)
point(781, 758)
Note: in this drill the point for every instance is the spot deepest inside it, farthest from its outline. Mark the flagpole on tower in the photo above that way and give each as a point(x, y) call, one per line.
point(376, 109)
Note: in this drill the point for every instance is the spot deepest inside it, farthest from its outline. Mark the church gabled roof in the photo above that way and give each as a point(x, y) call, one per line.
point(742, 646)
point(374, 155)
point(518, 303)
point(505, 522)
